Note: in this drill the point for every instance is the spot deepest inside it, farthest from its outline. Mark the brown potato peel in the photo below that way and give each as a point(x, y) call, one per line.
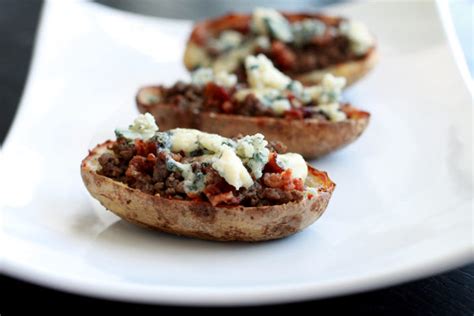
point(201, 219)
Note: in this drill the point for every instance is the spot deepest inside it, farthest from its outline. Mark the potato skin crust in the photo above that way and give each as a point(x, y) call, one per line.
point(352, 70)
point(201, 219)
point(309, 137)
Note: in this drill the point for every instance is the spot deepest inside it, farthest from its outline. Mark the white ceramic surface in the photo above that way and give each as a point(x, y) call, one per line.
point(402, 208)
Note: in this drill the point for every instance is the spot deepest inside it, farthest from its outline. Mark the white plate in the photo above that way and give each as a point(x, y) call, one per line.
point(402, 208)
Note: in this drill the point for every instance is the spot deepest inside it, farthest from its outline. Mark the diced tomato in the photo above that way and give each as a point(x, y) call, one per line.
point(223, 198)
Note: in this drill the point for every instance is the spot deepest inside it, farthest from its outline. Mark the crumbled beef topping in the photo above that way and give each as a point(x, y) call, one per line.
point(295, 60)
point(214, 98)
point(142, 165)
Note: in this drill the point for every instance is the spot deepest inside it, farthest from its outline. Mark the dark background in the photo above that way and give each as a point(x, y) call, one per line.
point(450, 293)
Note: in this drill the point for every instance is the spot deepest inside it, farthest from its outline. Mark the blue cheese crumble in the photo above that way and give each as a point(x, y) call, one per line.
point(295, 162)
point(304, 31)
point(239, 162)
point(143, 127)
point(272, 23)
point(272, 87)
point(227, 40)
point(359, 36)
point(202, 76)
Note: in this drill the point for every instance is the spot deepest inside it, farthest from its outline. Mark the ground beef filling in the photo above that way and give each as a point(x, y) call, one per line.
point(142, 165)
point(213, 98)
point(321, 53)
point(315, 56)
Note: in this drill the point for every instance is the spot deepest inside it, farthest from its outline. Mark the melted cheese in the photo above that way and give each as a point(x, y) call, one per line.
point(213, 142)
point(270, 22)
point(231, 60)
point(331, 88)
point(332, 111)
point(203, 76)
point(224, 159)
point(359, 35)
point(262, 74)
point(254, 154)
point(227, 40)
point(280, 106)
point(197, 56)
point(230, 167)
point(295, 162)
point(183, 139)
point(225, 79)
point(143, 127)
point(304, 31)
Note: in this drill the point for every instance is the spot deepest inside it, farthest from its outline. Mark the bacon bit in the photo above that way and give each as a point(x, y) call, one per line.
point(213, 91)
point(140, 165)
point(322, 177)
point(283, 57)
point(224, 198)
point(283, 181)
point(287, 181)
point(296, 114)
point(217, 188)
point(353, 112)
point(144, 148)
point(227, 107)
point(194, 196)
point(272, 166)
point(216, 96)
point(298, 184)
point(219, 191)
point(279, 180)
point(151, 158)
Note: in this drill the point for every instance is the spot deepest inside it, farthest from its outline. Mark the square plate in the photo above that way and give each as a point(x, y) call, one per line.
point(402, 208)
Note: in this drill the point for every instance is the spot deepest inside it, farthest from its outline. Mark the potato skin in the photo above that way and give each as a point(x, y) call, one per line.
point(309, 137)
point(194, 53)
point(201, 219)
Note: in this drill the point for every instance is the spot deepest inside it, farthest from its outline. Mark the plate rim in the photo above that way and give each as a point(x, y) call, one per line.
point(242, 296)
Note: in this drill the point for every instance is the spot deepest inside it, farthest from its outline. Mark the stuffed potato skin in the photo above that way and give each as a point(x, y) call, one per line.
point(352, 70)
point(201, 219)
point(309, 137)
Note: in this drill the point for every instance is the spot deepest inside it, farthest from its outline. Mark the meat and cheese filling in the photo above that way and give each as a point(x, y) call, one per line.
point(267, 92)
point(296, 43)
point(193, 165)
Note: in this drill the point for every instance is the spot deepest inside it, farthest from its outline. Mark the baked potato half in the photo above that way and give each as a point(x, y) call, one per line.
point(311, 138)
point(202, 215)
point(305, 46)
point(311, 121)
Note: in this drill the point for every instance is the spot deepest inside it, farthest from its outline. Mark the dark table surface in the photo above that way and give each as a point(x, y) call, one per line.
point(451, 293)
